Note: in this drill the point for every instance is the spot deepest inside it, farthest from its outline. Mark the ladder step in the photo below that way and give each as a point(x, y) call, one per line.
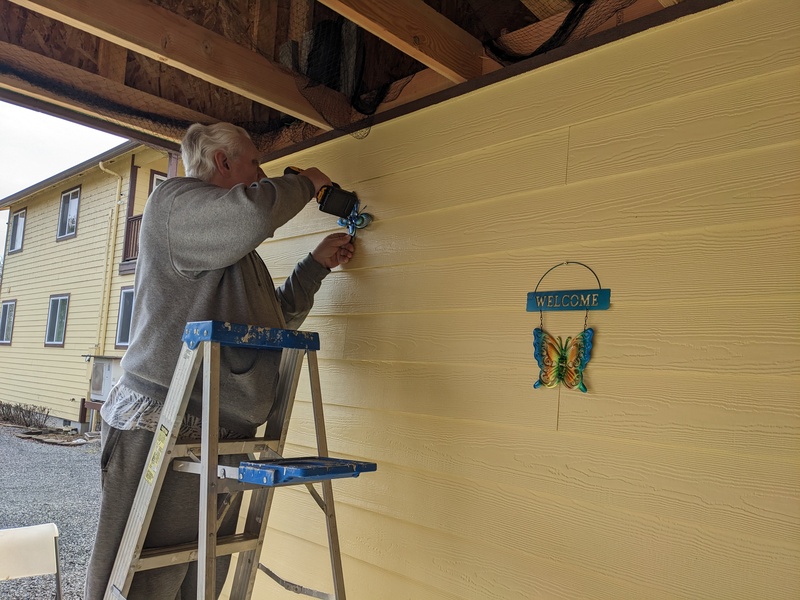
point(184, 448)
point(294, 471)
point(153, 558)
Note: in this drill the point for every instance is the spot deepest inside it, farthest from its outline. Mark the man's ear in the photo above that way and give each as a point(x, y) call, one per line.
point(221, 162)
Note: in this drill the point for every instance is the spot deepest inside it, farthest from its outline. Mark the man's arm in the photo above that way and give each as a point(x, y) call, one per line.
point(211, 228)
point(296, 295)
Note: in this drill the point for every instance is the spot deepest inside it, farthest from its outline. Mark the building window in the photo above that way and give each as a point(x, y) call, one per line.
point(124, 317)
point(57, 320)
point(17, 231)
point(68, 216)
point(156, 179)
point(7, 321)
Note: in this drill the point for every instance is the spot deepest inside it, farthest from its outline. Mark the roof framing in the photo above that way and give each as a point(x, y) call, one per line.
point(169, 38)
point(147, 71)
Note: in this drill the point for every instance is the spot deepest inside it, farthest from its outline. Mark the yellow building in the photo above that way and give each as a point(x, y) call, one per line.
point(67, 286)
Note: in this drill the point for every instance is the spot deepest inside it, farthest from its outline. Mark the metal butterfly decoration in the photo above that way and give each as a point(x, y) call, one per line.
point(562, 362)
point(357, 219)
point(565, 361)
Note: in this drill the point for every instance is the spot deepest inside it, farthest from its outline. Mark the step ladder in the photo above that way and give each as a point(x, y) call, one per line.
point(201, 342)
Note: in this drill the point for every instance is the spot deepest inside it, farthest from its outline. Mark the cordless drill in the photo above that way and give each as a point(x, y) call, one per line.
point(332, 199)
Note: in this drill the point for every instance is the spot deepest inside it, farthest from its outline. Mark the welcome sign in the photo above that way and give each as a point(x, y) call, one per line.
point(596, 299)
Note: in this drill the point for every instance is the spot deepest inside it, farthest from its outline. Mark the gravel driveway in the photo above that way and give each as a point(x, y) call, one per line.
point(42, 483)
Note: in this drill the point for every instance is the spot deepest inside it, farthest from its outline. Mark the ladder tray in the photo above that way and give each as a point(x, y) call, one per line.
point(293, 471)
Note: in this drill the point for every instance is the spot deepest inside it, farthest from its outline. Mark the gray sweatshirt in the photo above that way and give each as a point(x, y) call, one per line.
point(197, 262)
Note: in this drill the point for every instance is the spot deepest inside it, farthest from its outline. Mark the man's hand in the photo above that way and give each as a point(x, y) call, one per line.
point(334, 250)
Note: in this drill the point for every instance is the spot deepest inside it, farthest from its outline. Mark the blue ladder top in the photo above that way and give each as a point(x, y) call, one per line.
point(307, 469)
point(248, 336)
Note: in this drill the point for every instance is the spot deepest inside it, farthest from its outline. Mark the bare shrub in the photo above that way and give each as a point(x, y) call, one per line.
point(6, 412)
point(27, 415)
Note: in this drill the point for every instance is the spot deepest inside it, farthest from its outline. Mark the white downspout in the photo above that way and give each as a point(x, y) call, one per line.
point(102, 330)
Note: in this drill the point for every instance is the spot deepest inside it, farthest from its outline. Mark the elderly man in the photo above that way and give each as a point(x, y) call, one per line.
point(198, 261)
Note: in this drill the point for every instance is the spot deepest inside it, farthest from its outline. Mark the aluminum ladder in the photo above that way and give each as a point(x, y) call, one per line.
point(201, 342)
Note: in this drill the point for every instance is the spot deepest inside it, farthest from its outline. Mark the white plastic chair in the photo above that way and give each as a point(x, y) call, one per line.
point(30, 551)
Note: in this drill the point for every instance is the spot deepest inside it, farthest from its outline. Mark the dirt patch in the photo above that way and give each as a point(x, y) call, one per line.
point(60, 437)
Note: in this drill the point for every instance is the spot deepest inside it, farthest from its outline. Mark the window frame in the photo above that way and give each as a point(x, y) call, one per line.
point(68, 235)
point(12, 229)
point(56, 297)
point(125, 291)
point(4, 325)
point(153, 176)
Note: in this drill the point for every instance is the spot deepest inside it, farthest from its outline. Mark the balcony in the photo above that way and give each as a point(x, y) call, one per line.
point(131, 250)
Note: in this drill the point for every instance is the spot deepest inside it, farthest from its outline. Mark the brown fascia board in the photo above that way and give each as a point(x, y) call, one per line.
point(71, 172)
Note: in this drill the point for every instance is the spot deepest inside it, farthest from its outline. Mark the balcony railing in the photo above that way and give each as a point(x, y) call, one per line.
point(132, 237)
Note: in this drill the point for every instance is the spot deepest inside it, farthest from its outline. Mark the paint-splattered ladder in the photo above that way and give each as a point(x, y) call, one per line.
point(202, 342)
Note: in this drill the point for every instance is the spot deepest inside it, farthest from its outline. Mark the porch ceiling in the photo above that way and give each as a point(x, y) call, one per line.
point(293, 73)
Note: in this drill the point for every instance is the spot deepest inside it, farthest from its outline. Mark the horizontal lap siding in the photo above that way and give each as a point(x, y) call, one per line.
point(150, 159)
point(147, 160)
point(668, 163)
point(56, 378)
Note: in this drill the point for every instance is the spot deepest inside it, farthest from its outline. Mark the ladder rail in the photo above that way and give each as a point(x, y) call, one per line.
point(209, 449)
point(327, 486)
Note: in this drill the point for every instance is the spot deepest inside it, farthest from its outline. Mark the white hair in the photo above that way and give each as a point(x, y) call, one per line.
point(202, 141)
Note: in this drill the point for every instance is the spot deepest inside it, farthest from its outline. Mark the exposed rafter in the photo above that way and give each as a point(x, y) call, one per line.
point(416, 29)
point(24, 68)
point(111, 61)
point(162, 35)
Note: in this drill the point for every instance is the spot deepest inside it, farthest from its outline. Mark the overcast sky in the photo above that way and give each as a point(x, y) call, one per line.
point(35, 146)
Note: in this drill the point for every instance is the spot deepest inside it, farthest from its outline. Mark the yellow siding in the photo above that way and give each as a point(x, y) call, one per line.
point(147, 160)
point(668, 162)
point(51, 377)
point(60, 377)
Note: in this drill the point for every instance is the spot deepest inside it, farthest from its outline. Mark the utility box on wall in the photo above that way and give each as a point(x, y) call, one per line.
point(106, 371)
point(101, 379)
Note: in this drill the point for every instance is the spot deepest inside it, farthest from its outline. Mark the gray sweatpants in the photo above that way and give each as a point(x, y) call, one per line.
point(174, 521)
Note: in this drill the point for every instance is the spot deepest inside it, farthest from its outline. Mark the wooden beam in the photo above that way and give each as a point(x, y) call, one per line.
point(419, 31)
point(39, 77)
point(111, 61)
point(162, 35)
